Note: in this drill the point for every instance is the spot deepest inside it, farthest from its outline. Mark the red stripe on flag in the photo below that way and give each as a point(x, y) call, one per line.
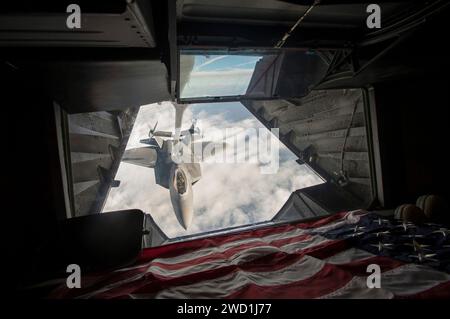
point(328, 280)
point(272, 262)
point(96, 281)
point(175, 249)
point(230, 252)
point(323, 221)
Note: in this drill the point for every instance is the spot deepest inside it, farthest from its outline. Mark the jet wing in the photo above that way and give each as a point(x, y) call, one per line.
point(142, 156)
point(162, 133)
point(154, 141)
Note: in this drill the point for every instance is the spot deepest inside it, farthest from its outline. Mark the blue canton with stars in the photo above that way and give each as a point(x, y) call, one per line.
point(426, 244)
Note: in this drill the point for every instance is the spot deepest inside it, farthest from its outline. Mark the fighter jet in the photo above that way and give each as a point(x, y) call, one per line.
point(174, 158)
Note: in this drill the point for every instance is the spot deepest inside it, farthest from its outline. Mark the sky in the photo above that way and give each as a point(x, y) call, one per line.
point(228, 194)
point(216, 75)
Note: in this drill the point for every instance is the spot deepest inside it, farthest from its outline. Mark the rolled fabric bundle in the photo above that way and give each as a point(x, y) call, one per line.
point(410, 213)
point(433, 206)
point(398, 213)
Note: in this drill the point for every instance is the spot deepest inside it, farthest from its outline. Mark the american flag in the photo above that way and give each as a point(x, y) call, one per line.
point(326, 258)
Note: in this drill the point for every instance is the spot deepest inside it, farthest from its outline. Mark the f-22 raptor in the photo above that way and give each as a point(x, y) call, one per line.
point(175, 164)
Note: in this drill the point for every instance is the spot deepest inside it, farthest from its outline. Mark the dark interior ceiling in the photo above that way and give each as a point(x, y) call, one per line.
point(103, 24)
point(114, 61)
point(133, 45)
point(86, 80)
point(263, 23)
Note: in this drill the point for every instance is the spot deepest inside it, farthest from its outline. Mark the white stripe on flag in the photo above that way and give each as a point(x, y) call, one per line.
point(349, 218)
point(224, 286)
point(352, 217)
point(239, 258)
point(349, 255)
point(221, 248)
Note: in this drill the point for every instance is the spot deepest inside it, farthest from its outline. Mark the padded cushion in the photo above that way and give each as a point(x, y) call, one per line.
point(103, 241)
point(432, 205)
point(410, 213)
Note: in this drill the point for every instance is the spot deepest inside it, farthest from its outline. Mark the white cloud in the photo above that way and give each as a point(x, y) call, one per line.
point(227, 195)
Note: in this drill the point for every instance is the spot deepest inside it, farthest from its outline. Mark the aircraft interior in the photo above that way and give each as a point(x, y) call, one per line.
point(364, 108)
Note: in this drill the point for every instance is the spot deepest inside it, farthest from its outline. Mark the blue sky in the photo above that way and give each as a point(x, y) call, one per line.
point(220, 75)
point(224, 62)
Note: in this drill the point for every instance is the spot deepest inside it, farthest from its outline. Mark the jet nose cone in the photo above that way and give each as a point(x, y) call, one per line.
point(182, 197)
point(187, 220)
point(184, 212)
